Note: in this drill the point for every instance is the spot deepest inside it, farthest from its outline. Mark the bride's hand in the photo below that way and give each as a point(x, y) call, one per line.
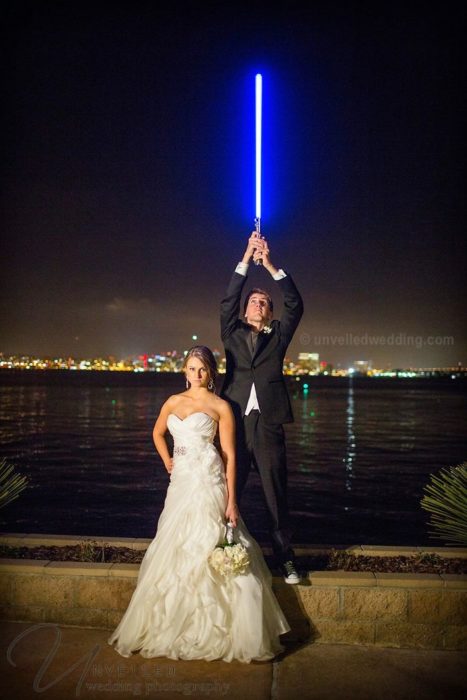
point(232, 513)
point(169, 466)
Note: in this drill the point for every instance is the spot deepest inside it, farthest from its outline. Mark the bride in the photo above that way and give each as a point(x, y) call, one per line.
point(182, 607)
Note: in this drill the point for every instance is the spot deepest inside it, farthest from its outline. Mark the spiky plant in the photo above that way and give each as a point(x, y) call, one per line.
point(446, 499)
point(10, 486)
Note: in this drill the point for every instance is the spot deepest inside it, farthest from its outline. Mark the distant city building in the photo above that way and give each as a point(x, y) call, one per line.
point(172, 361)
point(362, 366)
point(308, 362)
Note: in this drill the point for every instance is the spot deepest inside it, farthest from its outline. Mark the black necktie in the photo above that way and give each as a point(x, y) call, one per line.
point(253, 341)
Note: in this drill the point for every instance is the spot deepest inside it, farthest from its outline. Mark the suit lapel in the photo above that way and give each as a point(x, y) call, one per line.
point(247, 341)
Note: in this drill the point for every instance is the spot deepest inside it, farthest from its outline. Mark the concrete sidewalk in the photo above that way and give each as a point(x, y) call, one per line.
point(71, 662)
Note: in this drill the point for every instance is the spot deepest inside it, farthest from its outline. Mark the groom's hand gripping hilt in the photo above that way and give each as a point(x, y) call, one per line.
point(258, 229)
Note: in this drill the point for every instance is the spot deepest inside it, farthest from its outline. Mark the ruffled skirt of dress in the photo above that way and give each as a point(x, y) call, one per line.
point(183, 609)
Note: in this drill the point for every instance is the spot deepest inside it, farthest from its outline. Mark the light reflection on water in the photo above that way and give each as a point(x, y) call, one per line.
point(359, 456)
point(350, 457)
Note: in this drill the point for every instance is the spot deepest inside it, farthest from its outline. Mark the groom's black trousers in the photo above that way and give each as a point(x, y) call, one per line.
point(262, 446)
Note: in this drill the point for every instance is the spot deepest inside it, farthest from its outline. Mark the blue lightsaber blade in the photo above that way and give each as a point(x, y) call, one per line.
point(258, 143)
point(258, 125)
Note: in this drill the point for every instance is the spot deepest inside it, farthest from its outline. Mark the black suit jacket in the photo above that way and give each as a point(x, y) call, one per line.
point(264, 368)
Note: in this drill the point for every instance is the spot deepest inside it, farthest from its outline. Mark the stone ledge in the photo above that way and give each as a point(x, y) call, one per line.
point(314, 578)
point(376, 550)
point(78, 568)
point(460, 553)
point(409, 580)
point(36, 539)
point(342, 578)
point(121, 570)
point(25, 566)
point(454, 580)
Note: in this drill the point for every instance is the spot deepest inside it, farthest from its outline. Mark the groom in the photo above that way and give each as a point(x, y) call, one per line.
point(255, 388)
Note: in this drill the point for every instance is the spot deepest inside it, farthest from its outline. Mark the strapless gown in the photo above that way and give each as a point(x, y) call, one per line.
point(181, 607)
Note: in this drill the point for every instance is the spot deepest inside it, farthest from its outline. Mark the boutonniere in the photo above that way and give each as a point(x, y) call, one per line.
point(267, 329)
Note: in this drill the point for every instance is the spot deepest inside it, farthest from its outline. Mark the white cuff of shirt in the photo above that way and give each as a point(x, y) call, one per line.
point(242, 268)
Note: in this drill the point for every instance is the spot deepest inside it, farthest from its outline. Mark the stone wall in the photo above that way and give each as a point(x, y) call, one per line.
point(390, 610)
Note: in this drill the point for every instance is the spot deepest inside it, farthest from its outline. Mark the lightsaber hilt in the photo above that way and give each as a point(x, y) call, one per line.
point(258, 230)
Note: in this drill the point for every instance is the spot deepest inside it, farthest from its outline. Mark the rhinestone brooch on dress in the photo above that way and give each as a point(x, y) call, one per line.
point(180, 450)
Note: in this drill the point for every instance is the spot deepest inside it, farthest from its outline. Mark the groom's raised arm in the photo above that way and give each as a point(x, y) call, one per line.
point(293, 303)
point(230, 304)
point(293, 308)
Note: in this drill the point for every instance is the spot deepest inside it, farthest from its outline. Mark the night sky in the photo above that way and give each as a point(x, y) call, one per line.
point(127, 177)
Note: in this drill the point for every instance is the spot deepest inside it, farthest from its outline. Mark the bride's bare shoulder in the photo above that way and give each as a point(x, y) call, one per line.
point(221, 406)
point(173, 401)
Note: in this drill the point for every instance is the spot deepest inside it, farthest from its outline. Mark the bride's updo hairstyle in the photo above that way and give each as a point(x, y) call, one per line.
point(205, 355)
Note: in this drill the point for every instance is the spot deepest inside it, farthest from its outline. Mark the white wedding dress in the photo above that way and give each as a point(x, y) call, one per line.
point(181, 607)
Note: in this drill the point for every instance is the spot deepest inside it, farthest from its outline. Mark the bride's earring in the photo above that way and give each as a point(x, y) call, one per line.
point(211, 385)
point(187, 384)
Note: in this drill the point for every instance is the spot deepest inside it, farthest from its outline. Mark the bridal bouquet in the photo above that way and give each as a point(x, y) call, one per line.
point(229, 558)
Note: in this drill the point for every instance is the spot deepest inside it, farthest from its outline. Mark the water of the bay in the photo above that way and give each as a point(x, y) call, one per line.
point(360, 453)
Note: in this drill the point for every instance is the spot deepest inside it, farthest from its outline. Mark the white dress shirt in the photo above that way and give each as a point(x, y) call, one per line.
point(242, 269)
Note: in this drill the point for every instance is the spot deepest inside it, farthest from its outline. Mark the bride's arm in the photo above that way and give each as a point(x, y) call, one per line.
point(158, 434)
point(227, 441)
